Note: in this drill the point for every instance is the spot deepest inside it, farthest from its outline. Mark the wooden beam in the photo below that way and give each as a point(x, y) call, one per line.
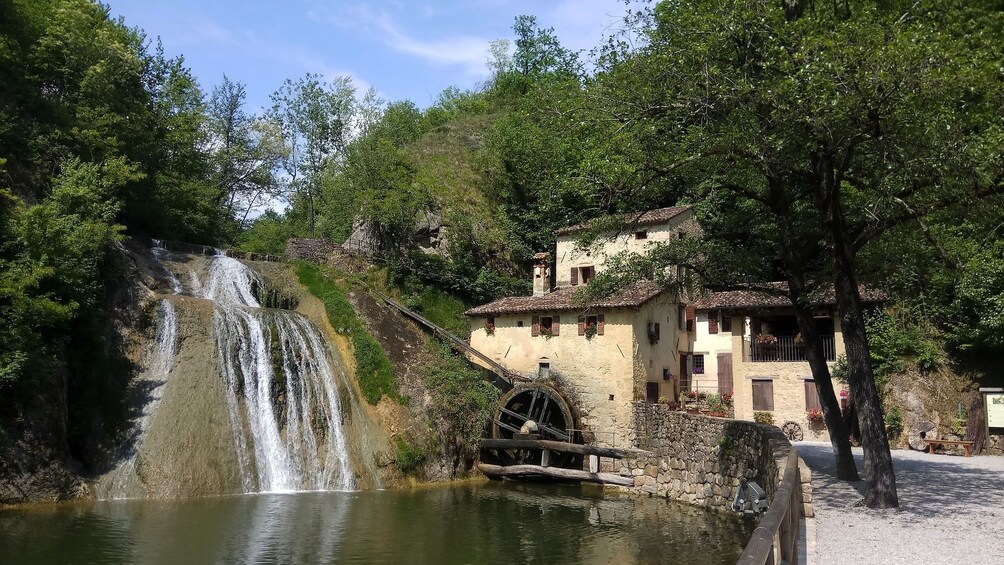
point(556, 472)
point(561, 447)
point(551, 430)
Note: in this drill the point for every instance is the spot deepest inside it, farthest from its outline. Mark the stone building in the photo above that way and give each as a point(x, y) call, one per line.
point(608, 353)
point(747, 342)
point(646, 343)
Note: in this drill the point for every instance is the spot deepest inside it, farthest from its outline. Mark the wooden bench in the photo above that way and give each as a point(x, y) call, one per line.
point(933, 444)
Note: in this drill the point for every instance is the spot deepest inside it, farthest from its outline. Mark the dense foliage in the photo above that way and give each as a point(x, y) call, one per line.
point(373, 369)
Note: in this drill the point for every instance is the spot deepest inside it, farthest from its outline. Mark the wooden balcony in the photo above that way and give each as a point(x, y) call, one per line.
point(784, 349)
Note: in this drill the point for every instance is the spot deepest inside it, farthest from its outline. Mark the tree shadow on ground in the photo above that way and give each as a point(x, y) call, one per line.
point(928, 485)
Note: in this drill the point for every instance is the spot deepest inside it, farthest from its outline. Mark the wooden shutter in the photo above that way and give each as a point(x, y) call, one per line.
point(658, 334)
point(582, 325)
point(555, 325)
point(684, 372)
point(690, 319)
point(599, 324)
point(811, 397)
point(712, 322)
point(724, 373)
point(535, 326)
point(763, 395)
point(575, 276)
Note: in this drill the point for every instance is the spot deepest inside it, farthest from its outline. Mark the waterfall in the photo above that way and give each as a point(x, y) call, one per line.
point(282, 402)
point(124, 482)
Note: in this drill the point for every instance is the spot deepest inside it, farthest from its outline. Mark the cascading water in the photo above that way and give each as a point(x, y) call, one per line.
point(282, 402)
point(221, 349)
point(124, 482)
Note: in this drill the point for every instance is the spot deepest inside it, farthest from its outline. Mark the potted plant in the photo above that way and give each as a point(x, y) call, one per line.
point(762, 417)
point(489, 327)
point(814, 416)
point(590, 330)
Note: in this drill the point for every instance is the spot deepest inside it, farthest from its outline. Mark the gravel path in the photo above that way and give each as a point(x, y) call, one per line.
point(951, 510)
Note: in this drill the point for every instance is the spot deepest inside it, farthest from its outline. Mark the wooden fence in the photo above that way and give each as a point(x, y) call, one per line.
point(775, 539)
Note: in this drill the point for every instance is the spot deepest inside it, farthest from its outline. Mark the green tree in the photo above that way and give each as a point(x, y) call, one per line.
point(316, 120)
point(835, 124)
point(245, 151)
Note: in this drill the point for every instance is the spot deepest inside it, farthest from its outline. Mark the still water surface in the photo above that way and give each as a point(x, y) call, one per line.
point(491, 523)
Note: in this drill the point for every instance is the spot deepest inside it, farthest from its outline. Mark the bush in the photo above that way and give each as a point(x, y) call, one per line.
point(463, 402)
point(373, 369)
point(763, 417)
point(409, 457)
point(894, 421)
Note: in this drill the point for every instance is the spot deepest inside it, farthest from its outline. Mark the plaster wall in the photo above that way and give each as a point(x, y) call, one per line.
point(568, 255)
point(710, 345)
point(788, 383)
point(598, 373)
point(651, 359)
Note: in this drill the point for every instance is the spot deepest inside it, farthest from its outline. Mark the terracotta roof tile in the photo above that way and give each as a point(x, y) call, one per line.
point(563, 299)
point(633, 219)
point(772, 295)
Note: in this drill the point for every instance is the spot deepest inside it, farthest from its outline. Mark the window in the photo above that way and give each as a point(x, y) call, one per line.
point(594, 322)
point(544, 370)
point(586, 274)
point(641, 235)
point(726, 323)
point(545, 325)
point(699, 364)
point(690, 319)
point(653, 332)
point(763, 394)
point(519, 323)
point(712, 322)
point(811, 397)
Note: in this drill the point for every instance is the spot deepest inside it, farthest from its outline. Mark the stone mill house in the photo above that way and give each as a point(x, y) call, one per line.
point(646, 343)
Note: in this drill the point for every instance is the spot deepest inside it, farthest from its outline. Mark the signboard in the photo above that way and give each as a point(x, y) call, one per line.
point(995, 410)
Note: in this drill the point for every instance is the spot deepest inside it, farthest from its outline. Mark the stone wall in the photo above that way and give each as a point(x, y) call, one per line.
point(313, 250)
point(702, 460)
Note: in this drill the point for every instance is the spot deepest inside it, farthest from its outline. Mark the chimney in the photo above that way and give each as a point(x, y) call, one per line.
point(541, 274)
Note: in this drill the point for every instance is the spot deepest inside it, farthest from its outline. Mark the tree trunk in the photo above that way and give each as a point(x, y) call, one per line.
point(839, 436)
point(794, 258)
point(880, 477)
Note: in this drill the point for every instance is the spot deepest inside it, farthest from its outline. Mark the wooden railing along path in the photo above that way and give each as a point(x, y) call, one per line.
point(775, 539)
point(455, 342)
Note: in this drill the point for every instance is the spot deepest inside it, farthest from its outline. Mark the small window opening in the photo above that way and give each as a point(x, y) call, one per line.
point(641, 235)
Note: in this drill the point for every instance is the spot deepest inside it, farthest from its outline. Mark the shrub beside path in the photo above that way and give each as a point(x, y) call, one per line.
point(951, 511)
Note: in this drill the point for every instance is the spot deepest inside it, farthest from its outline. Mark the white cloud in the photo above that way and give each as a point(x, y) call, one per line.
point(464, 51)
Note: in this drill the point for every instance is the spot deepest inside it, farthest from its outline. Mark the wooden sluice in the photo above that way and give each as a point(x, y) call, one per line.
point(531, 458)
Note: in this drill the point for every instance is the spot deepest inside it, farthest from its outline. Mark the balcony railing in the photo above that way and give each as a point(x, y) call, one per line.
point(784, 348)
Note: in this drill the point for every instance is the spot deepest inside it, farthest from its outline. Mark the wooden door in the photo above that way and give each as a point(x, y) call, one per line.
point(652, 392)
point(724, 373)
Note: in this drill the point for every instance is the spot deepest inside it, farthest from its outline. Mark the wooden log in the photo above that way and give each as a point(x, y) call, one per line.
point(562, 447)
point(556, 472)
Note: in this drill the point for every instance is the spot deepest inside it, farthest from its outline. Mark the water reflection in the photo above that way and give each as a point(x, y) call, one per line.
point(495, 523)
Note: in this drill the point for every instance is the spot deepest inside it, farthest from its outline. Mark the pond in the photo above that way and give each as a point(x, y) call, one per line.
point(475, 523)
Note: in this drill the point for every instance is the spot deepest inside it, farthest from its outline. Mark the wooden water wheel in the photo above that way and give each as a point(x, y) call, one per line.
point(532, 410)
point(792, 431)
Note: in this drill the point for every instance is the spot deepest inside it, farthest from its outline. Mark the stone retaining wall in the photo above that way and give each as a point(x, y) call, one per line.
point(702, 460)
point(313, 250)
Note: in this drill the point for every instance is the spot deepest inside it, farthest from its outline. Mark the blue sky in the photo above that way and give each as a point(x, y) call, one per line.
point(405, 49)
